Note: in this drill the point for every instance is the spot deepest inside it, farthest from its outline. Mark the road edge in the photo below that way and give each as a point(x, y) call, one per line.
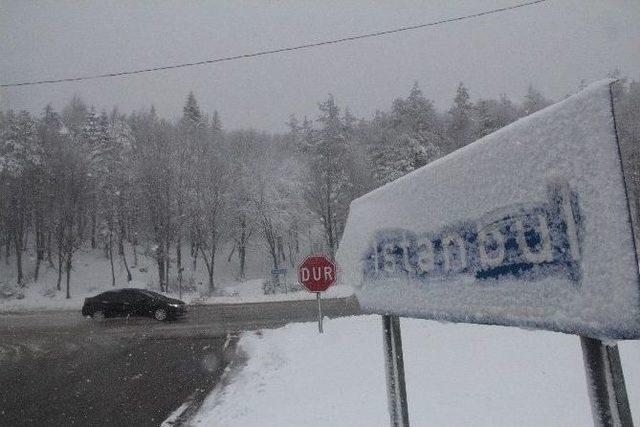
point(182, 416)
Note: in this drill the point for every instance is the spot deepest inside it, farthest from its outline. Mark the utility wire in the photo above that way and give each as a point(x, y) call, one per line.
point(279, 50)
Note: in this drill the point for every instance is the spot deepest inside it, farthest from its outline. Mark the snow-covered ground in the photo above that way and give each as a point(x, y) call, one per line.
point(251, 292)
point(91, 275)
point(457, 375)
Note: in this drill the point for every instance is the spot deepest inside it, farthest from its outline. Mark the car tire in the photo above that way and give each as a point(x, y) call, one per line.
point(98, 314)
point(160, 314)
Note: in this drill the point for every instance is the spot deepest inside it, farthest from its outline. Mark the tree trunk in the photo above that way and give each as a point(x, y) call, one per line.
point(60, 259)
point(329, 229)
point(113, 272)
point(126, 265)
point(179, 261)
point(242, 247)
point(93, 228)
point(49, 257)
point(290, 247)
point(167, 268)
point(194, 261)
point(135, 250)
point(161, 273)
point(242, 254)
point(24, 242)
point(37, 269)
point(211, 265)
point(211, 284)
point(7, 252)
point(17, 241)
point(280, 249)
point(121, 239)
point(68, 276)
point(40, 249)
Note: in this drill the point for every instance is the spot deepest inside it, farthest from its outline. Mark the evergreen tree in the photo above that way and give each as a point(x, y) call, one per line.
point(327, 188)
point(460, 119)
point(533, 101)
point(494, 114)
point(416, 117)
point(191, 111)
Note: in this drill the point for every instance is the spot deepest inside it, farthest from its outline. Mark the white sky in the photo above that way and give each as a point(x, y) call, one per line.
point(552, 46)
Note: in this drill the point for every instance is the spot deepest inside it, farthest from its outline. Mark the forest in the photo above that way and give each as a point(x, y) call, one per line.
point(188, 191)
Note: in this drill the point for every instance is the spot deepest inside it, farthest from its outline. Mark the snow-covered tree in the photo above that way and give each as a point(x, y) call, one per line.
point(20, 158)
point(494, 114)
point(416, 117)
point(460, 127)
point(326, 186)
point(533, 101)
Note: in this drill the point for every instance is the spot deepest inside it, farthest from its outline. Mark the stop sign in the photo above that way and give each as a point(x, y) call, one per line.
point(317, 273)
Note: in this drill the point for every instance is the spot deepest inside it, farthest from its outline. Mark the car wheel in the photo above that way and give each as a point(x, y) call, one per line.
point(160, 314)
point(98, 314)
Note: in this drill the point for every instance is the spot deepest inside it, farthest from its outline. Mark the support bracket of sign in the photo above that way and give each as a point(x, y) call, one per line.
point(605, 381)
point(603, 370)
point(394, 367)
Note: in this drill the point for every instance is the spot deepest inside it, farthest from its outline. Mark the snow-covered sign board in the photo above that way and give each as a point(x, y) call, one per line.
point(529, 226)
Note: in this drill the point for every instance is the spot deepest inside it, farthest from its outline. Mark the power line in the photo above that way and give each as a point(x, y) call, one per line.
point(278, 50)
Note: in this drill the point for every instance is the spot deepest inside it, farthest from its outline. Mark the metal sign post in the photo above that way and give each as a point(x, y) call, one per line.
point(605, 381)
point(319, 298)
point(317, 273)
point(394, 363)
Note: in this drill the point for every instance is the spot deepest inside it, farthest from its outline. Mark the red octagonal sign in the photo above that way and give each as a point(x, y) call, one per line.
point(317, 273)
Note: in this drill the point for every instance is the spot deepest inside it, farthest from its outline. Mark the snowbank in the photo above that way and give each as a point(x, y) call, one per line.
point(457, 375)
point(251, 292)
point(92, 274)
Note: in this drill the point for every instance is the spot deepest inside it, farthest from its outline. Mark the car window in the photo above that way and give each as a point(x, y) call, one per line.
point(155, 295)
point(136, 296)
point(107, 296)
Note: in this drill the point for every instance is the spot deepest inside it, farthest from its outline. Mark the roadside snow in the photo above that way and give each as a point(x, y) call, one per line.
point(457, 375)
point(251, 292)
point(92, 275)
point(173, 418)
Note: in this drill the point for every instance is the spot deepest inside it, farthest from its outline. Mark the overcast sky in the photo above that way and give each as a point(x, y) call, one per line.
point(553, 46)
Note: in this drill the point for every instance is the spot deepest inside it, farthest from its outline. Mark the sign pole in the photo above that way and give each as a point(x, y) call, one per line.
point(394, 362)
point(286, 289)
point(319, 298)
point(605, 381)
point(316, 273)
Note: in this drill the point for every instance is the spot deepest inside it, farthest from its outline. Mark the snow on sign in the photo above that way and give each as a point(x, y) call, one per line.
point(528, 226)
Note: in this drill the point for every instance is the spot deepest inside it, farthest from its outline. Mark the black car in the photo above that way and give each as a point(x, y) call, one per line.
point(133, 302)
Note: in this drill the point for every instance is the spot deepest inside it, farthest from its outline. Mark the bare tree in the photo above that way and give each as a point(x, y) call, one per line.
point(211, 205)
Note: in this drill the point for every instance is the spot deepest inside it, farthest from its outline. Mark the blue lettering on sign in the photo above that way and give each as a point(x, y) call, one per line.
point(522, 241)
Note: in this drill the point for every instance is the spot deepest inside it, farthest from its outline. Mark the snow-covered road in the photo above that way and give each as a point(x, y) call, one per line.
point(63, 369)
